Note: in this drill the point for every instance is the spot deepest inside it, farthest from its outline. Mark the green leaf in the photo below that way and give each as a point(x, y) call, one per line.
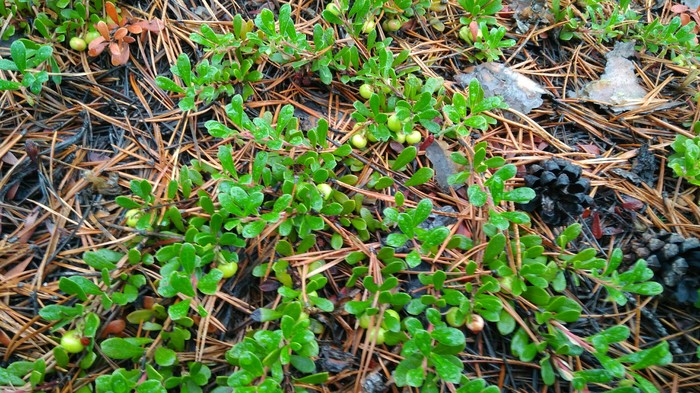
point(119, 348)
point(520, 195)
point(168, 84)
point(656, 356)
point(7, 65)
point(506, 323)
point(447, 367)
point(314, 379)
point(187, 257)
point(61, 357)
point(79, 286)
point(253, 229)
point(179, 310)
point(303, 364)
point(127, 202)
point(140, 316)
point(19, 55)
point(448, 336)
point(183, 69)
point(55, 312)
point(150, 386)
point(645, 288)
point(611, 335)
point(547, 371)
point(496, 245)
point(421, 176)
point(208, 284)
point(103, 259)
point(165, 356)
point(413, 258)
point(383, 182)
point(507, 172)
point(516, 217)
point(9, 85)
point(423, 210)
point(476, 196)
point(644, 385)
point(407, 155)
point(569, 234)
point(476, 93)
point(396, 240)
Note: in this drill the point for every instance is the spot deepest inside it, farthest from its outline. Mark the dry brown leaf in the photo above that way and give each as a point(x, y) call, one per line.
point(103, 29)
point(97, 46)
point(111, 11)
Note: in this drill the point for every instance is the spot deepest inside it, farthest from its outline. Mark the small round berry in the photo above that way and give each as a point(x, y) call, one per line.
point(368, 26)
point(229, 269)
point(72, 341)
point(333, 9)
point(91, 36)
point(78, 44)
point(366, 91)
point(359, 141)
point(132, 217)
point(325, 190)
point(413, 138)
point(394, 123)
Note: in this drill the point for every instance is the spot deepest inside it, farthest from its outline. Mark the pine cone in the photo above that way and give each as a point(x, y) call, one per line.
point(561, 192)
point(675, 260)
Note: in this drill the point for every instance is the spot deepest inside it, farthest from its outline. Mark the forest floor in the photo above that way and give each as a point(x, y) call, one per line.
point(68, 151)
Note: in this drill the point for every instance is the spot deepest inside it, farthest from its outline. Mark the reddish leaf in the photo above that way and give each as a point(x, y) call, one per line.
point(111, 11)
point(679, 8)
point(114, 49)
point(589, 148)
point(153, 25)
point(103, 30)
point(97, 46)
point(10, 158)
point(32, 151)
point(685, 19)
point(633, 204)
point(427, 142)
point(120, 33)
point(269, 285)
point(120, 53)
point(595, 227)
point(134, 29)
point(12, 192)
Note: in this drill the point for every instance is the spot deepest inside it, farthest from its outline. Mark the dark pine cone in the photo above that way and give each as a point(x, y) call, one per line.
point(675, 261)
point(560, 191)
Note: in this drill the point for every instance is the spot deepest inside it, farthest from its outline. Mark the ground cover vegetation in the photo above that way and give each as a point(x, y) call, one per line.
point(405, 195)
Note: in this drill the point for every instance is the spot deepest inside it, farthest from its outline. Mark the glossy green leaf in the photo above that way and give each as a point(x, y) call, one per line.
point(19, 54)
point(406, 156)
point(179, 310)
point(253, 229)
point(448, 336)
point(119, 348)
point(422, 175)
point(476, 195)
point(165, 356)
point(658, 355)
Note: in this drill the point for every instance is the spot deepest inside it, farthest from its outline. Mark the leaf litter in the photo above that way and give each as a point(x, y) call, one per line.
point(518, 91)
